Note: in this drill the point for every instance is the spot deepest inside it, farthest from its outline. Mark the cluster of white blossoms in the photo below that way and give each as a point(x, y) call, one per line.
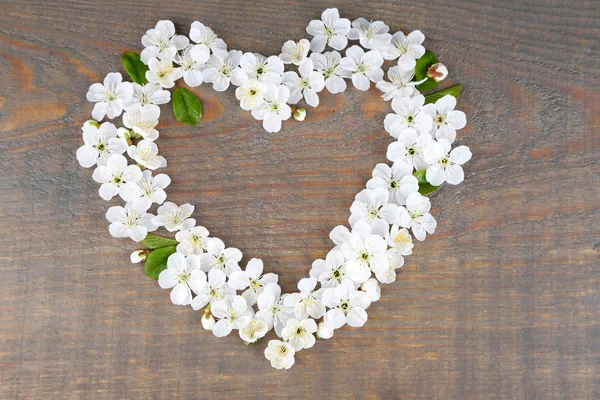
point(205, 274)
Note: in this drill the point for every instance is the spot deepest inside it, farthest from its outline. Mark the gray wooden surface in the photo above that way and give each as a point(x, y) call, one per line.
point(502, 302)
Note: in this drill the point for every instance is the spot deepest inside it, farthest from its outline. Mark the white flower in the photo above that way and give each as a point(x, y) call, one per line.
point(131, 221)
point(119, 178)
point(410, 148)
point(273, 109)
point(152, 188)
point(175, 218)
point(143, 122)
point(162, 42)
point(99, 144)
point(215, 289)
point(371, 287)
point(300, 333)
point(339, 235)
point(398, 238)
point(233, 313)
point(328, 65)
point(363, 66)
point(261, 68)
point(281, 354)
point(401, 84)
point(250, 94)
point(256, 329)
point(221, 71)
point(446, 167)
point(272, 309)
point(253, 279)
point(308, 301)
point(371, 34)
point(347, 305)
point(192, 241)
point(396, 260)
point(416, 216)
point(386, 273)
point(407, 48)
point(207, 41)
point(148, 96)
point(183, 274)
point(109, 97)
point(408, 113)
point(324, 331)
point(308, 84)
point(145, 153)
point(190, 69)
point(163, 72)
point(372, 207)
point(330, 29)
point(221, 258)
point(331, 271)
point(446, 120)
point(138, 256)
point(397, 180)
point(365, 251)
point(294, 52)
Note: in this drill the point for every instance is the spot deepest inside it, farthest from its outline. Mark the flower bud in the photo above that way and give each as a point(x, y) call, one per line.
point(125, 134)
point(208, 321)
point(91, 122)
point(437, 72)
point(324, 331)
point(371, 287)
point(299, 114)
point(138, 256)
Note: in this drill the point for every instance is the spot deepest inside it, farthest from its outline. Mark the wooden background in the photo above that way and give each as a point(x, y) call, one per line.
point(502, 302)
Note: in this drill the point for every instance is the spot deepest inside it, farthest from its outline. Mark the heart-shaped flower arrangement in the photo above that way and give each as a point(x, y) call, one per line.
point(199, 270)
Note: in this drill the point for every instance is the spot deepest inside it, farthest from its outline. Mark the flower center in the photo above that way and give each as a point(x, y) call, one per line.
point(304, 84)
point(100, 147)
point(445, 161)
point(283, 350)
point(225, 71)
point(411, 151)
point(182, 277)
point(410, 119)
point(362, 68)
point(345, 306)
point(260, 71)
point(393, 184)
point(111, 96)
point(440, 119)
point(364, 256)
point(330, 33)
point(336, 274)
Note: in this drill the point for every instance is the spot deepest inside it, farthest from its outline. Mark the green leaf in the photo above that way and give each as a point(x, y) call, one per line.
point(425, 187)
point(421, 68)
point(134, 67)
point(433, 97)
point(156, 242)
point(157, 261)
point(186, 106)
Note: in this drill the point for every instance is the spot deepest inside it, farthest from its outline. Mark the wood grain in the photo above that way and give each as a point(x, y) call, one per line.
point(501, 303)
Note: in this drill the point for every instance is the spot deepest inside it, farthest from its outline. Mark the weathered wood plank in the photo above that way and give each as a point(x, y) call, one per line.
point(502, 302)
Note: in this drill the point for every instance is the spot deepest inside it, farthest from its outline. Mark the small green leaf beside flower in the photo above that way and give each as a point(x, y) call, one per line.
point(134, 67)
point(186, 106)
point(157, 261)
